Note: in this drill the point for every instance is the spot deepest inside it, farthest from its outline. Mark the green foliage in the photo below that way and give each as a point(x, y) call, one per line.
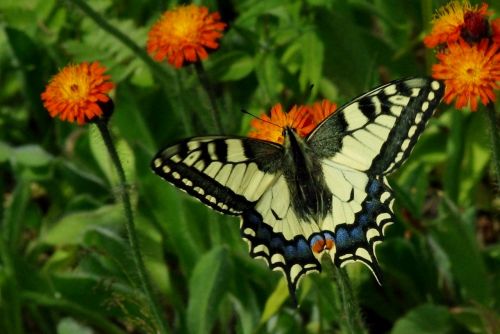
point(65, 263)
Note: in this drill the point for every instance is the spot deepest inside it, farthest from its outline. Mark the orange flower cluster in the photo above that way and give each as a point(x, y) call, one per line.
point(468, 53)
point(78, 93)
point(184, 33)
point(303, 119)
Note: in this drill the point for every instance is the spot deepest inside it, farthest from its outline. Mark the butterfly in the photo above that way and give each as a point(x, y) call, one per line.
point(325, 193)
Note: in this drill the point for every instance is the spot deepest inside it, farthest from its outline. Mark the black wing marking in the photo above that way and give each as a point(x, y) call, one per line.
point(226, 173)
point(375, 132)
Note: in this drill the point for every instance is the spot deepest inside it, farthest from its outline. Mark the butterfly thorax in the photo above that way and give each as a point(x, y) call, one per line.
point(311, 198)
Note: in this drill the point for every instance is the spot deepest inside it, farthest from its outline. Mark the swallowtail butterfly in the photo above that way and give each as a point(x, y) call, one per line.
point(324, 193)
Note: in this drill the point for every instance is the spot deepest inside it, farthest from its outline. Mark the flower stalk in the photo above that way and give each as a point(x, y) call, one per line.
point(495, 139)
point(348, 302)
point(205, 82)
point(130, 227)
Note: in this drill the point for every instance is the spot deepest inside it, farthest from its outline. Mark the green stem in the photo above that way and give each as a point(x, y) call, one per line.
point(94, 318)
point(495, 140)
point(350, 318)
point(158, 71)
point(130, 226)
point(205, 82)
point(10, 311)
point(348, 302)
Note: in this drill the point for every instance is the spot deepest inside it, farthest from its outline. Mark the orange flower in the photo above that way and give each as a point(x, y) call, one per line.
point(457, 20)
point(184, 33)
point(321, 110)
point(77, 92)
point(469, 72)
point(271, 128)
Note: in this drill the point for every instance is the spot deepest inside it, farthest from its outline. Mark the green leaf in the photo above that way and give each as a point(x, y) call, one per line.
point(31, 156)
point(477, 153)
point(312, 60)
point(71, 229)
point(458, 241)
point(428, 318)
point(207, 286)
point(275, 301)
point(268, 75)
point(451, 180)
point(71, 326)
point(231, 66)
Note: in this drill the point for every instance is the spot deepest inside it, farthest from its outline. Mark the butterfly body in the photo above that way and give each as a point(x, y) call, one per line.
point(326, 192)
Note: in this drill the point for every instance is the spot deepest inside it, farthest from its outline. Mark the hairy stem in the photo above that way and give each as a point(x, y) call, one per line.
point(205, 82)
point(495, 140)
point(130, 226)
point(349, 303)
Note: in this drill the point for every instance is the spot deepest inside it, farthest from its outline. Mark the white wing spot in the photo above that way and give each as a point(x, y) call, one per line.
point(372, 233)
point(435, 85)
point(261, 248)
point(418, 118)
point(381, 217)
point(187, 182)
point(157, 162)
point(176, 175)
point(415, 92)
point(294, 271)
point(425, 105)
point(166, 169)
point(199, 190)
point(211, 199)
point(390, 90)
point(384, 196)
point(176, 158)
point(249, 231)
point(431, 96)
point(405, 144)
point(412, 130)
point(363, 253)
point(277, 258)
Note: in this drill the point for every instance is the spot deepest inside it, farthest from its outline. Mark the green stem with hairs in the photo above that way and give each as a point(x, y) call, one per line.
point(130, 227)
point(350, 318)
point(349, 303)
point(205, 82)
point(495, 139)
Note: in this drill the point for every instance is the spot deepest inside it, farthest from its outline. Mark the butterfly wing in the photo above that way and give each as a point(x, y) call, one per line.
point(227, 174)
point(358, 145)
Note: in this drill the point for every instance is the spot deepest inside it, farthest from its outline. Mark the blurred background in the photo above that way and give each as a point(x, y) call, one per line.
point(65, 264)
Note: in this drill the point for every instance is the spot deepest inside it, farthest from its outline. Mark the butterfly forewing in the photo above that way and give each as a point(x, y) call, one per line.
point(375, 132)
point(226, 173)
point(351, 153)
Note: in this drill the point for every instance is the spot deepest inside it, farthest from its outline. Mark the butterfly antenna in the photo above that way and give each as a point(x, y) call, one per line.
point(260, 119)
